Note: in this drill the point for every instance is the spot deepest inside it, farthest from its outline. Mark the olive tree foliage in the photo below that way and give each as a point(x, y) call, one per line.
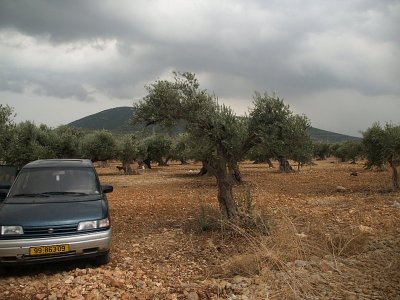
point(283, 135)
point(180, 148)
point(321, 150)
point(99, 146)
point(127, 152)
point(261, 154)
point(221, 141)
point(67, 141)
point(6, 129)
point(29, 142)
point(158, 148)
point(381, 146)
point(348, 151)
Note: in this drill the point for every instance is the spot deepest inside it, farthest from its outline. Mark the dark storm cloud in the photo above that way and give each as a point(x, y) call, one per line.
point(245, 47)
point(299, 49)
point(61, 21)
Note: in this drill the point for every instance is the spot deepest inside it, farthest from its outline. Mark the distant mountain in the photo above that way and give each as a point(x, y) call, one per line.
point(118, 119)
point(114, 119)
point(329, 136)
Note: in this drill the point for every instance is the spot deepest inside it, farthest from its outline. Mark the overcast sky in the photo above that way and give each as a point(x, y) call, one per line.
point(338, 62)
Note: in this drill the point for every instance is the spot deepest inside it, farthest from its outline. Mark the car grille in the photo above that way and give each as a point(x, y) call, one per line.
point(50, 230)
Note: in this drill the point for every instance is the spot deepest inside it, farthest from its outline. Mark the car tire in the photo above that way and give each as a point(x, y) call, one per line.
point(3, 271)
point(102, 259)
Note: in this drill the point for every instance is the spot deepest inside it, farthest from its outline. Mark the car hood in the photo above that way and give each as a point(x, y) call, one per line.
point(32, 212)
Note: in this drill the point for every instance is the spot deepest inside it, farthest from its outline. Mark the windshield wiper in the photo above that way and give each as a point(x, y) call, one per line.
point(31, 195)
point(65, 193)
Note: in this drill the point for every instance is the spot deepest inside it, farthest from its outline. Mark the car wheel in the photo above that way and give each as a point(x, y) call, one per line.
point(102, 259)
point(3, 271)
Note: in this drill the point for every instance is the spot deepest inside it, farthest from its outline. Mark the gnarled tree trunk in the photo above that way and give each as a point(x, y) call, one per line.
point(144, 163)
point(203, 170)
point(226, 200)
point(206, 168)
point(126, 166)
point(284, 165)
point(269, 162)
point(147, 162)
point(235, 170)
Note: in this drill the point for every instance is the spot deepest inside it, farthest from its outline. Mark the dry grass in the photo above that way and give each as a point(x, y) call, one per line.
point(267, 254)
point(278, 253)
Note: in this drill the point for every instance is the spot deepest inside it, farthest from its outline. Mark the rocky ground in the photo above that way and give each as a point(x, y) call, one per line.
point(321, 233)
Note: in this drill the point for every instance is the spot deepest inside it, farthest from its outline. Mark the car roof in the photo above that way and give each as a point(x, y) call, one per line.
point(57, 163)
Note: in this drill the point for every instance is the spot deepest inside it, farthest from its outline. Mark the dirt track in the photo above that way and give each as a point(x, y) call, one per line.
point(322, 243)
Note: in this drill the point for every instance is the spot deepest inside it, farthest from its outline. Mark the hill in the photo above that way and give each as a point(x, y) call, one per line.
point(118, 119)
point(329, 136)
point(114, 119)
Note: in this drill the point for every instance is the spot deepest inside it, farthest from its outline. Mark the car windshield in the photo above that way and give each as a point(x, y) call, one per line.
point(45, 182)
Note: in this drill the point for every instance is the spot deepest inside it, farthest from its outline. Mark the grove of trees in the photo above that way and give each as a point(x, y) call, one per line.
point(212, 135)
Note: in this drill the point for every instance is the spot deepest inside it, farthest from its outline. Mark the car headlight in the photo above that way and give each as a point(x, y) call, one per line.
point(11, 230)
point(95, 224)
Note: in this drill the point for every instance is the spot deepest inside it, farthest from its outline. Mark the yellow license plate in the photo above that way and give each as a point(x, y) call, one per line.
point(53, 249)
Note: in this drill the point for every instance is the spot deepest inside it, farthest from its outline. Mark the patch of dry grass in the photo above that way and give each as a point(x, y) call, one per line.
point(280, 253)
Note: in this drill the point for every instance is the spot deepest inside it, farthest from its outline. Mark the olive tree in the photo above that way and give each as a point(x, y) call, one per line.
point(67, 141)
point(298, 141)
point(219, 138)
point(381, 146)
point(213, 127)
point(6, 129)
point(349, 150)
point(321, 150)
point(127, 152)
point(283, 135)
point(180, 149)
point(99, 146)
point(159, 148)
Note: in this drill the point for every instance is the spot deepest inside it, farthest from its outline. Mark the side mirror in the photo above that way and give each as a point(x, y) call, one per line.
point(107, 188)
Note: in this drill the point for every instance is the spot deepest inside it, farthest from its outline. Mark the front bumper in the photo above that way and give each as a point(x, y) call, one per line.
point(81, 245)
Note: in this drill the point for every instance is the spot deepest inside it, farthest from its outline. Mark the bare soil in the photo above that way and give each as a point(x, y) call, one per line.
point(321, 233)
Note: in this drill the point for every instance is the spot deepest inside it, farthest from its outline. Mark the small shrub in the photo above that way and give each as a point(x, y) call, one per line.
point(245, 201)
point(207, 218)
point(250, 218)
